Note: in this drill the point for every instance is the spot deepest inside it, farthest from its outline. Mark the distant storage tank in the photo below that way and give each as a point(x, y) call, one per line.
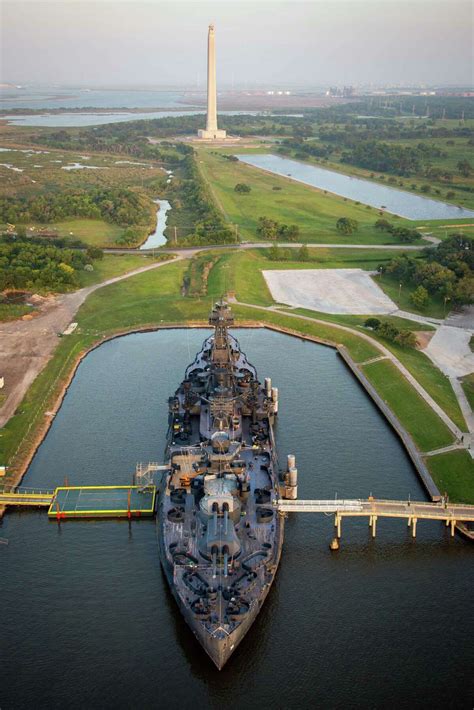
point(291, 461)
point(268, 386)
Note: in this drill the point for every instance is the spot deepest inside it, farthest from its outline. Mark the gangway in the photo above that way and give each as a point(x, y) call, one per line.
point(144, 473)
point(26, 496)
point(371, 508)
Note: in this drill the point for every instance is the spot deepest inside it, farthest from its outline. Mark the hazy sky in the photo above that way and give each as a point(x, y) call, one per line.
point(317, 42)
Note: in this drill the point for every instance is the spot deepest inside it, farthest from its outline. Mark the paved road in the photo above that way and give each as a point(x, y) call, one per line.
point(265, 245)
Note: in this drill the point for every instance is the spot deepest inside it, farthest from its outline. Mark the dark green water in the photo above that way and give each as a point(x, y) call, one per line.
point(87, 620)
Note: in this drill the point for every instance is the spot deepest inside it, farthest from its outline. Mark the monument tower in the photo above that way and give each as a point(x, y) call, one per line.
point(211, 133)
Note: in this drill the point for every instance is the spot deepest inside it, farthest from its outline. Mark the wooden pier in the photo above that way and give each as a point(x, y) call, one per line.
point(412, 511)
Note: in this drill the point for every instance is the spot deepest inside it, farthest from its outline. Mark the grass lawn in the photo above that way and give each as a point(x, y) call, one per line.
point(95, 232)
point(468, 387)
point(426, 428)
point(115, 265)
point(314, 212)
point(358, 321)
point(454, 473)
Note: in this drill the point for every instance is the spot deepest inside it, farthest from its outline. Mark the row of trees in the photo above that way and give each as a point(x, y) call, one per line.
point(189, 195)
point(405, 338)
point(447, 271)
point(402, 234)
point(271, 229)
point(116, 205)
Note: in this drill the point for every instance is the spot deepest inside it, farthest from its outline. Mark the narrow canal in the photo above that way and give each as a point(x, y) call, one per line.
point(370, 193)
point(87, 620)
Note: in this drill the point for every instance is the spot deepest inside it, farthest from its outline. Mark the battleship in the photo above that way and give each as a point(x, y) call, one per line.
point(220, 536)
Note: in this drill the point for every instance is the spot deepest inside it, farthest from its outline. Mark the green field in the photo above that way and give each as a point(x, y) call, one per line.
point(426, 428)
point(95, 232)
point(314, 212)
point(468, 387)
point(453, 473)
point(115, 265)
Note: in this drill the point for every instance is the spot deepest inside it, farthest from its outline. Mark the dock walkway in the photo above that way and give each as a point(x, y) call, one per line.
point(412, 511)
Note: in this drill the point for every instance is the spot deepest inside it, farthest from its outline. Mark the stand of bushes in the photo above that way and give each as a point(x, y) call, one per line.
point(28, 265)
point(405, 338)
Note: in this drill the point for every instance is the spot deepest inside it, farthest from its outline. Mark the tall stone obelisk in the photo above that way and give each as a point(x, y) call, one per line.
point(211, 133)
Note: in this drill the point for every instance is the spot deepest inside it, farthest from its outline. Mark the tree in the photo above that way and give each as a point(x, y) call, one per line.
point(274, 253)
point(303, 253)
point(242, 188)
point(420, 297)
point(290, 233)
point(463, 292)
point(384, 225)
point(372, 323)
point(387, 330)
point(94, 253)
point(464, 167)
point(267, 228)
point(406, 338)
point(346, 225)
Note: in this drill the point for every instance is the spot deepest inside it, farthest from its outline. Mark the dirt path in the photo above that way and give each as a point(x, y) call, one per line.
point(26, 346)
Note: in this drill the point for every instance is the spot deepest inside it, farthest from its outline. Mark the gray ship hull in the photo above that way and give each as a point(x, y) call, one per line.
point(219, 650)
point(220, 534)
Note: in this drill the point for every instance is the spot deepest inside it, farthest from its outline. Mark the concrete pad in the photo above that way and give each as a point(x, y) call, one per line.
point(449, 349)
point(344, 291)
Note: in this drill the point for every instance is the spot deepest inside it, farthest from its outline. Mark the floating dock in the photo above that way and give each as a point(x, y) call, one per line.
point(103, 502)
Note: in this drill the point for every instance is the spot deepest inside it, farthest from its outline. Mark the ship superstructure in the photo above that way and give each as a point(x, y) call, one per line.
point(220, 536)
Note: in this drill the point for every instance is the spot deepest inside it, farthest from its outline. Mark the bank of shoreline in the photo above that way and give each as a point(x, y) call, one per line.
point(411, 449)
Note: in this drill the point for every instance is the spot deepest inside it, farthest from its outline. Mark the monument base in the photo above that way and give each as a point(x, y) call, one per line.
point(217, 135)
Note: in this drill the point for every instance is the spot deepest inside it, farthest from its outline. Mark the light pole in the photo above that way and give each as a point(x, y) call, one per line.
point(446, 299)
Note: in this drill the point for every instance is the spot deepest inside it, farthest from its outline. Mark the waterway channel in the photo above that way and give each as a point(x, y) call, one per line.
point(87, 620)
point(157, 238)
point(370, 193)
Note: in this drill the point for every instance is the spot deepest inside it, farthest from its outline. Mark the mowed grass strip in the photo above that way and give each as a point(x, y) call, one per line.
point(115, 265)
point(453, 473)
point(424, 425)
point(358, 348)
point(285, 201)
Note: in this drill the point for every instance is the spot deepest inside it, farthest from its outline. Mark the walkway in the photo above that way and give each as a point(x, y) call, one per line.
point(412, 511)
